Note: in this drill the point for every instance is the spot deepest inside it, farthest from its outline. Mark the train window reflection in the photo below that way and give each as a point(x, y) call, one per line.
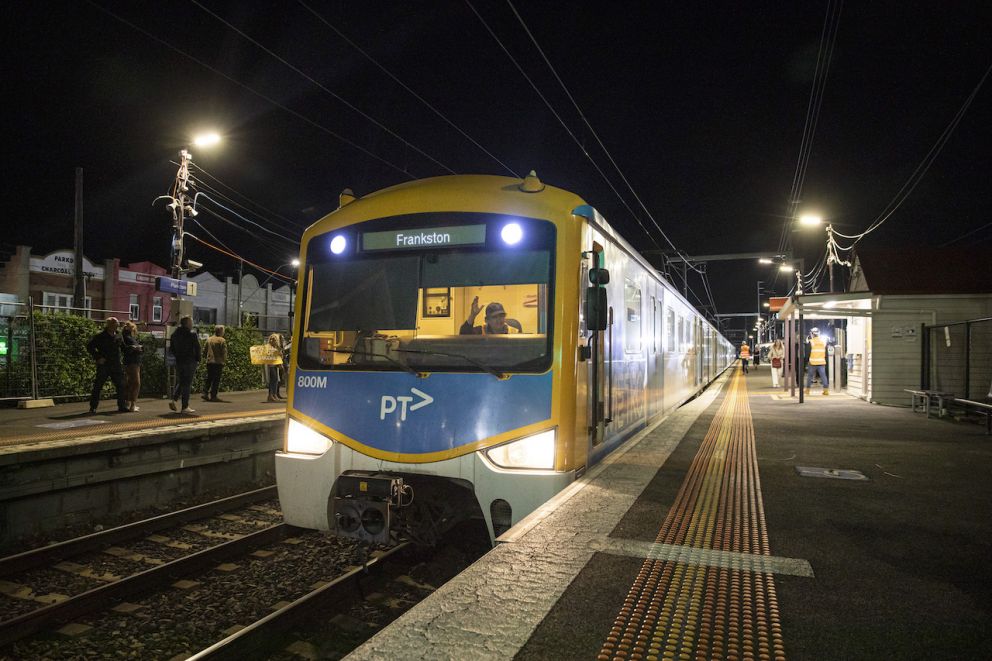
point(444, 310)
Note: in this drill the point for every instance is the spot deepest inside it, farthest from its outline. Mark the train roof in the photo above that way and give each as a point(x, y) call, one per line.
point(463, 192)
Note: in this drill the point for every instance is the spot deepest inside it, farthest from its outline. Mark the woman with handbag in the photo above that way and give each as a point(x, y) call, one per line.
point(776, 354)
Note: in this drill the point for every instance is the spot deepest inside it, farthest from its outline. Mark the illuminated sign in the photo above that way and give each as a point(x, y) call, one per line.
point(173, 286)
point(436, 237)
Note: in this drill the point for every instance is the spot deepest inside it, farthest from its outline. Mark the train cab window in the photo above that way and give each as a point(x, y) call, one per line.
point(632, 317)
point(478, 309)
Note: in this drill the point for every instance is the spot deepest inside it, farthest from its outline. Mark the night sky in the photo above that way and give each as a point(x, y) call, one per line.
point(701, 105)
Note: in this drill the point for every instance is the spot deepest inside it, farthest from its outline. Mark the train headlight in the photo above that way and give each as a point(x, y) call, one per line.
point(535, 451)
point(300, 438)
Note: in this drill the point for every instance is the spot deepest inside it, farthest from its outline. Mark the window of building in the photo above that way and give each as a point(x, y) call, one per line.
point(632, 310)
point(204, 315)
point(134, 309)
point(57, 302)
point(157, 309)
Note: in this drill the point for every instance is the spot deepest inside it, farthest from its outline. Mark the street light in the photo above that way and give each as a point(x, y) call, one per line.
point(810, 220)
point(786, 268)
point(206, 139)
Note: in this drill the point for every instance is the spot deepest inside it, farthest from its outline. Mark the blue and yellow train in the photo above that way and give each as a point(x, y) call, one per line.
point(468, 346)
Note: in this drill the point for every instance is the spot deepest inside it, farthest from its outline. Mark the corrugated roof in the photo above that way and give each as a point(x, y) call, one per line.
point(927, 270)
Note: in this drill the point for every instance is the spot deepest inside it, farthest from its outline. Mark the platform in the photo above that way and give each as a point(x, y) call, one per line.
point(713, 536)
point(73, 422)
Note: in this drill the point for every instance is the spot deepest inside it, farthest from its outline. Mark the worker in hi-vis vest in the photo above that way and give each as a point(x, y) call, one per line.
point(745, 355)
point(817, 360)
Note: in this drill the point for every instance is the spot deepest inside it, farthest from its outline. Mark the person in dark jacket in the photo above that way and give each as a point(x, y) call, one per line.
point(105, 349)
point(185, 346)
point(132, 364)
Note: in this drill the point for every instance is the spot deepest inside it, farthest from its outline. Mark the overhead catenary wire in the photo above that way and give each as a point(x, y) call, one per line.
point(966, 235)
point(561, 121)
point(406, 87)
point(325, 89)
point(255, 92)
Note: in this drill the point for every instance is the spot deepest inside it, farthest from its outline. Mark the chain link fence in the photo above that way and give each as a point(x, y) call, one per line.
point(957, 358)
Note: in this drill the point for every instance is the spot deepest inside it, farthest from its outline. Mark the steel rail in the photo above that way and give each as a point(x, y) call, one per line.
point(29, 623)
point(325, 600)
point(55, 552)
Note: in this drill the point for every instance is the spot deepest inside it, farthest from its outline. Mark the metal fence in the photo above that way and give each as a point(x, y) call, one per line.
point(957, 358)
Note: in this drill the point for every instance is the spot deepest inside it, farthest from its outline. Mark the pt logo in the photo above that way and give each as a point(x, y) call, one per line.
point(388, 404)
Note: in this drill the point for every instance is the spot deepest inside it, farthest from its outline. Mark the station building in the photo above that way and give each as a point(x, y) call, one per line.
point(128, 292)
point(900, 300)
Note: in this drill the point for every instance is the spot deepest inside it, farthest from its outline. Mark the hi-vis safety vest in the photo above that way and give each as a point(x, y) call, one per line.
point(817, 351)
point(745, 351)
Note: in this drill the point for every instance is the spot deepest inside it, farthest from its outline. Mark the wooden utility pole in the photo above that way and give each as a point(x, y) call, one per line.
point(78, 283)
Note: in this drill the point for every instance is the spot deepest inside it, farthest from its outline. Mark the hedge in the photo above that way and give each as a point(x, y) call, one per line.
point(65, 368)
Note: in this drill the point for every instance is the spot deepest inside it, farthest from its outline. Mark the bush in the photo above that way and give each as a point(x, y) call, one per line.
point(65, 368)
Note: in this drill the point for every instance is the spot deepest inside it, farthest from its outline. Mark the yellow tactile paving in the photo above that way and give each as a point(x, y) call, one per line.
point(694, 612)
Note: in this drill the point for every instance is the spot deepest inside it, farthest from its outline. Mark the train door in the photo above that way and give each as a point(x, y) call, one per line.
point(597, 321)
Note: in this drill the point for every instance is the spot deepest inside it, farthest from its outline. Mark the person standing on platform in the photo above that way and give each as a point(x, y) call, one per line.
point(745, 355)
point(216, 357)
point(132, 364)
point(776, 354)
point(817, 360)
point(273, 372)
point(105, 348)
point(185, 346)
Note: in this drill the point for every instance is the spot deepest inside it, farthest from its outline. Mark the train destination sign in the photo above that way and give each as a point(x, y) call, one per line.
point(433, 237)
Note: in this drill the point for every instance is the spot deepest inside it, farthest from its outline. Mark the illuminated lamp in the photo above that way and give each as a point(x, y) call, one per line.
point(338, 244)
point(511, 233)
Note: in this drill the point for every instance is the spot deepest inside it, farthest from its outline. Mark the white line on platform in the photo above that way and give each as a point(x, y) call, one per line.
point(765, 564)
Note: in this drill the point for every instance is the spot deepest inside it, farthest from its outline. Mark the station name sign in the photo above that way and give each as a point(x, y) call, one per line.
point(174, 286)
point(436, 237)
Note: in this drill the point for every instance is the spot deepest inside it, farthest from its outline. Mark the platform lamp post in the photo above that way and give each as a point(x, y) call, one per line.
point(790, 267)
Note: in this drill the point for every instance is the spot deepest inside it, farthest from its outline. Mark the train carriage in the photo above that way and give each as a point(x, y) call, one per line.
point(467, 346)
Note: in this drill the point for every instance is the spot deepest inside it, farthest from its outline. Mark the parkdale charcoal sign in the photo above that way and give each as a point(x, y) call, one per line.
point(436, 237)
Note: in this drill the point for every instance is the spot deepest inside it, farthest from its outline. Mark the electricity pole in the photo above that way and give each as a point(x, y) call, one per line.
point(180, 205)
point(79, 284)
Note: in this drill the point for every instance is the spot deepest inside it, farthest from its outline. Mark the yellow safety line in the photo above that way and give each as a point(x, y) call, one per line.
point(685, 611)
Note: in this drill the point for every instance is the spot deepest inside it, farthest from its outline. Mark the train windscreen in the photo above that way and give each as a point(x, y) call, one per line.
point(483, 307)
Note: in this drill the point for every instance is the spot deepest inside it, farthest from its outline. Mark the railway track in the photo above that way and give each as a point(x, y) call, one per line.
point(242, 590)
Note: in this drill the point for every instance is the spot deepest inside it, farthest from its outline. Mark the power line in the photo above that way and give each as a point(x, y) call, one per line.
point(333, 94)
point(238, 257)
point(828, 38)
point(245, 197)
point(196, 197)
point(260, 95)
point(914, 179)
point(966, 235)
point(408, 89)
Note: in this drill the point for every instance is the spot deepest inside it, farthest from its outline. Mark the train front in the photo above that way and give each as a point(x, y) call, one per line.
point(423, 380)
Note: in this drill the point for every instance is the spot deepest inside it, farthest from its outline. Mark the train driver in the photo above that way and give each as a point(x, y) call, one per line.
point(495, 321)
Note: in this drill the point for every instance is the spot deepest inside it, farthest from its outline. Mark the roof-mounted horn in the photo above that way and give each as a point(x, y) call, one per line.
point(346, 197)
point(531, 184)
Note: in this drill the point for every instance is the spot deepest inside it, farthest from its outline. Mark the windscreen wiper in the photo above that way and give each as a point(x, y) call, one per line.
point(502, 376)
point(402, 365)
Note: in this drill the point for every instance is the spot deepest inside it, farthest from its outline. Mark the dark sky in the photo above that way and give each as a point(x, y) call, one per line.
point(702, 107)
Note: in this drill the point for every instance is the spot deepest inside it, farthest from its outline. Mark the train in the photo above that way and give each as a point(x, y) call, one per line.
point(465, 347)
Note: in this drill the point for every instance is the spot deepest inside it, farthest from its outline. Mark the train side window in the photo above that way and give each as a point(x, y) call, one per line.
point(654, 325)
point(669, 329)
point(632, 325)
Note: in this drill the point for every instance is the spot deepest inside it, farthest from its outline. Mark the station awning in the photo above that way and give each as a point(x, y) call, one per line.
point(828, 306)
